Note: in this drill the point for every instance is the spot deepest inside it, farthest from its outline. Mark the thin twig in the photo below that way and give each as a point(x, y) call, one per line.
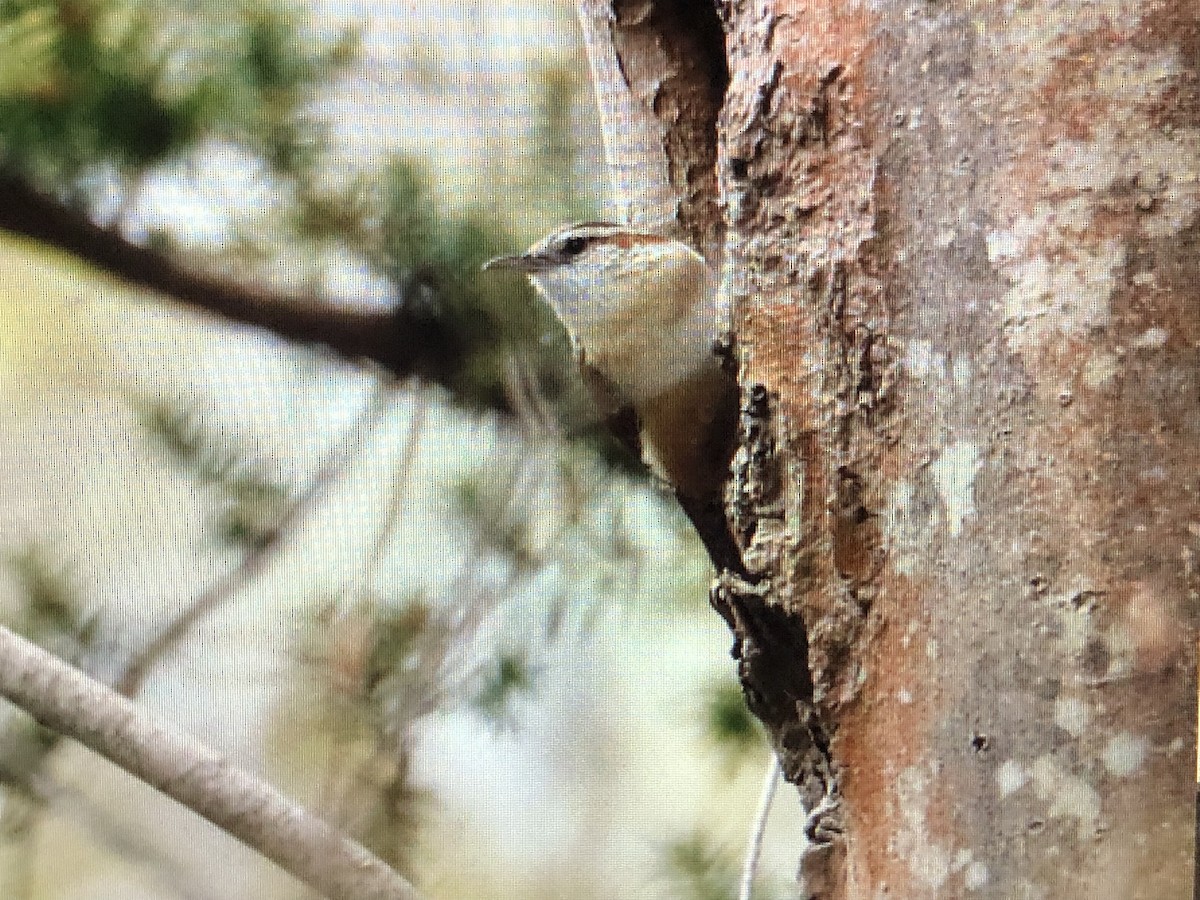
point(257, 560)
point(401, 476)
point(399, 486)
point(759, 828)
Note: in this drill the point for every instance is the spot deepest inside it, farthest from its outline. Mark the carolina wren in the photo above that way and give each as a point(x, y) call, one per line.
point(641, 312)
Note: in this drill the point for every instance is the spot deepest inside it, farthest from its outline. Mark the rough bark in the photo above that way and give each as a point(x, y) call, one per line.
point(962, 247)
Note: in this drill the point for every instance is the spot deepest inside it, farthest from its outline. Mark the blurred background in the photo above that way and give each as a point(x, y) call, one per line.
point(452, 618)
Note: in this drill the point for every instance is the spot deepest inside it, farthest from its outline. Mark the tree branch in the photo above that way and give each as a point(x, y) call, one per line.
point(409, 340)
point(65, 700)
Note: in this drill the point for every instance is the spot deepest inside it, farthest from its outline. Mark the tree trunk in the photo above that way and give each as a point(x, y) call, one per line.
point(961, 250)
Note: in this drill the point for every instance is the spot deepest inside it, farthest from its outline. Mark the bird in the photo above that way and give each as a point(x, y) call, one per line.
point(640, 309)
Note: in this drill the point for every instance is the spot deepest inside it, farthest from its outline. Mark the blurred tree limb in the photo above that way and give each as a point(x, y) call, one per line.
point(408, 340)
point(99, 97)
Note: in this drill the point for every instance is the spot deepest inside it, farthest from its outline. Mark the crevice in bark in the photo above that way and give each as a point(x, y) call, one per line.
point(770, 647)
point(771, 643)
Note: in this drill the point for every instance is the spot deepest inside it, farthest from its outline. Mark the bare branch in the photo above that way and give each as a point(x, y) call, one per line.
point(65, 700)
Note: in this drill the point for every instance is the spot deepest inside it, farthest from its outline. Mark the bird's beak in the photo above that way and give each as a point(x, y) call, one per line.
point(522, 262)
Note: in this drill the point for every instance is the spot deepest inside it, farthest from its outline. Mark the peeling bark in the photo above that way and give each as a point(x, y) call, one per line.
point(961, 251)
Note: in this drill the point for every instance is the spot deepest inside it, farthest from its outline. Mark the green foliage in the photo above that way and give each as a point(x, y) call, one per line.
point(413, 234)
point(375, 660)
point(79, 85)
point(577, 526)
point(699, 870)
point(436, 259)
point(396, 811)
point(252, 502)
point(729, 724)
point(89, 86)
point(509, 678)
point(52, 614)
point(97, 90)
point(396, 642)
point(502, 526)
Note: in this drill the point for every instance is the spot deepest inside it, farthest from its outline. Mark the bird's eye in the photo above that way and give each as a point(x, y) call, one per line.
point(573, 246)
